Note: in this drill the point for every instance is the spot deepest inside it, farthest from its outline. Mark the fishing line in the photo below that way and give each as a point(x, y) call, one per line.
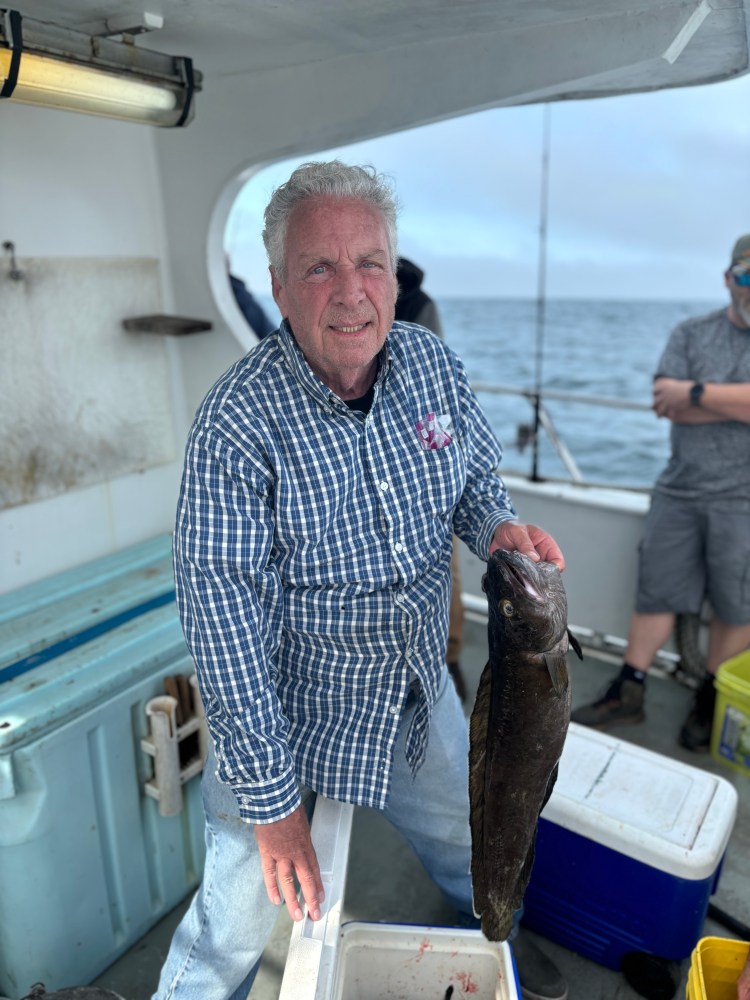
point(541, 291)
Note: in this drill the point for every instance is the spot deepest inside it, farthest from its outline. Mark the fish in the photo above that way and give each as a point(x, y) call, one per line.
point(517, 729)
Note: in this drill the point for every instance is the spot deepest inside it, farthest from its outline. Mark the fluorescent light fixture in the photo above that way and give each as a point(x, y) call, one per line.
point(57, 67)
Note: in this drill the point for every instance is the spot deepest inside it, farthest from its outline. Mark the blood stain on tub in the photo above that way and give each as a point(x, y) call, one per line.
point(424, 946)
point(466, 981)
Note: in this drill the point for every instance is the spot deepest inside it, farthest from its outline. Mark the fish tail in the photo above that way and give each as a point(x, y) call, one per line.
point(495, 926)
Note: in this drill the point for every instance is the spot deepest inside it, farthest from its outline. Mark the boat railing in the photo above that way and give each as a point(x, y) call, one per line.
point(536, 398)
point(687, 660)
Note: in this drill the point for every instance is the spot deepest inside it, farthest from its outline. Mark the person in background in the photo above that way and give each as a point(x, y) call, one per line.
point(325, 474)
point(259, 323)
point(414, 305)
point(696, 540)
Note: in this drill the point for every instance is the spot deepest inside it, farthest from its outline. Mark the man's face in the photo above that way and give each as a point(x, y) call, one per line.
point(740, 295)
point(340, 291)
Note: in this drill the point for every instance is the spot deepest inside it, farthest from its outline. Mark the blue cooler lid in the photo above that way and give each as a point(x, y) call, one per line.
point(647, 806)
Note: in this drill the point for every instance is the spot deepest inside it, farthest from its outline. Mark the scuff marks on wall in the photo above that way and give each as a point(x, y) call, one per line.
point(81, 400)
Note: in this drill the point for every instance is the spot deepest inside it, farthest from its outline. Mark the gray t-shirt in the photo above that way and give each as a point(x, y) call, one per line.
point(708, 460)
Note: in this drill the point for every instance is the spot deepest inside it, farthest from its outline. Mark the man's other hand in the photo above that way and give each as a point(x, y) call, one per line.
point(286, 850)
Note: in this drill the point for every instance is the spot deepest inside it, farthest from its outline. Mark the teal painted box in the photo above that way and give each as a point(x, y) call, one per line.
point(87, 863)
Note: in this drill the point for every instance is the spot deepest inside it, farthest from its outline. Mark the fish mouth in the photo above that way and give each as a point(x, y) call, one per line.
point(521, 581)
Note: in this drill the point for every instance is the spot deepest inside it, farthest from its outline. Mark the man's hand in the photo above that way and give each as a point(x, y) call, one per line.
point(671, 396)
point(286, 850)
point(528, 539)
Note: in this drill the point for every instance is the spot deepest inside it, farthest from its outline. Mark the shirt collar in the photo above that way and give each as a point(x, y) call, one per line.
point(305, 375)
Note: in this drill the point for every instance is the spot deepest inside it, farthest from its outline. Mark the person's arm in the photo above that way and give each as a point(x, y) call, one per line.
point(250, 308)
point(719, 402)
point(230, 601)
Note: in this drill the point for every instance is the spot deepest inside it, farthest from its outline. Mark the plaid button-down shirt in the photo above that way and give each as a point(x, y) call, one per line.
point(312, 562)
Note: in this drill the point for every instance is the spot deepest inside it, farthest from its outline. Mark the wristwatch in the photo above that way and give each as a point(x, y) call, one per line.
point(696, 392)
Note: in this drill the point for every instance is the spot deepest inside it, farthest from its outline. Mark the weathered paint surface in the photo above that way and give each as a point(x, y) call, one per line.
point(81, 400)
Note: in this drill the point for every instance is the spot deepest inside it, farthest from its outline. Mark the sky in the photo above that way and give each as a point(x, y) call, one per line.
point(646, 195)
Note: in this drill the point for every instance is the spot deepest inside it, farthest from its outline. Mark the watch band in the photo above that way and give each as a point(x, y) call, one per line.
point(696, 392)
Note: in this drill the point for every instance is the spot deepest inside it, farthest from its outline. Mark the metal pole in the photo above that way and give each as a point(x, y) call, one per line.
point(541, 292)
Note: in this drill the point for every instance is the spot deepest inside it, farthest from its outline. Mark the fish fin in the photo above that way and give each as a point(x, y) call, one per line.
point(558, 673)
point(550, 785)
point(524, 876)
point(478, 735)
point(575, 644)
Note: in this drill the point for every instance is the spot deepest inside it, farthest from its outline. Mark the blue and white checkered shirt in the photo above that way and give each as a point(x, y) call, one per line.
point(312, 562)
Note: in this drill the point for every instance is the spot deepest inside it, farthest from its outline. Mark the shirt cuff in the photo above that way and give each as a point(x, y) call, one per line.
point(488, 529)
point(268, 802)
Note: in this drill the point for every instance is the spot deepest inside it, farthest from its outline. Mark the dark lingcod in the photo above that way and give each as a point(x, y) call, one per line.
point(518, 728)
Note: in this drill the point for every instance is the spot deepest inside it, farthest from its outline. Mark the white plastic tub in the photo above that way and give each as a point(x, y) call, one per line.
point(405, 962)
point(360, 960)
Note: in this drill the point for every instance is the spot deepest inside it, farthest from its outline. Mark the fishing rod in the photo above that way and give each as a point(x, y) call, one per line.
point(541, 297)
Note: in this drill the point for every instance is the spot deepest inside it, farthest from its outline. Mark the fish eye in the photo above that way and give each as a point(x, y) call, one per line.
point(507, 608)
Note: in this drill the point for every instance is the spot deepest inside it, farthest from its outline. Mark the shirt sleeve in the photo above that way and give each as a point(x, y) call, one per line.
point(485, 502)
point(675, 361)
point(229, 598)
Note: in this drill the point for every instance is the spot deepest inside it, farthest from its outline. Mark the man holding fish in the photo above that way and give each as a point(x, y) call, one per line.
point(325, 475)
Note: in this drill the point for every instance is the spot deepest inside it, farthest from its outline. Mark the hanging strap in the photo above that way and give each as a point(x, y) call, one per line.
point(15, 40)
point(187, 72)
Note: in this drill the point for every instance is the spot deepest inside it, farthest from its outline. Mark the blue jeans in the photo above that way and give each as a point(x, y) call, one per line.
point(216, 949)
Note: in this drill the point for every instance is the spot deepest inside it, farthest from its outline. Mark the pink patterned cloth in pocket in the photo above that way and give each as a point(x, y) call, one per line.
point(433, 433)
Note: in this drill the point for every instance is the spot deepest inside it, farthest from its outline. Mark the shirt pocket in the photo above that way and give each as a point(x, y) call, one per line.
point(443, 479)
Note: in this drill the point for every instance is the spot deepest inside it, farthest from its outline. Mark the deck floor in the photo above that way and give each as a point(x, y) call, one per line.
point(387, 883)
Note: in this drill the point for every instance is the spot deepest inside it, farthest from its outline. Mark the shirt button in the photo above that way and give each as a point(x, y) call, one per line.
point(394, 710)
point(398, 547)
point(384, 486)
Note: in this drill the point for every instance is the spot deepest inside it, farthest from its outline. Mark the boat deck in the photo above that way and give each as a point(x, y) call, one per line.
point(387, 883)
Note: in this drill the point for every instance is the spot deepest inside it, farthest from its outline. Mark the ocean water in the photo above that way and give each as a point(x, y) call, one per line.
point(590, 347)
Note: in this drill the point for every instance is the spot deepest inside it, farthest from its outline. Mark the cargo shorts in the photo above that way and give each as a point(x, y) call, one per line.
point(693, 549)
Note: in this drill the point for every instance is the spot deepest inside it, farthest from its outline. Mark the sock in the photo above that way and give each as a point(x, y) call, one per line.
point(629, 673)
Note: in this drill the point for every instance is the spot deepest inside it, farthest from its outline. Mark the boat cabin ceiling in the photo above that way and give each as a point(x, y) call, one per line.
point(110, 220)
point(395, 63)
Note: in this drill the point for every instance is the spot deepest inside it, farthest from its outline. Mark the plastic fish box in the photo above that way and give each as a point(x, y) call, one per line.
point(629, 850)
point(87, 863)
point(360, 960)
point(715, 967)
point(730, 737)
point(402, 962)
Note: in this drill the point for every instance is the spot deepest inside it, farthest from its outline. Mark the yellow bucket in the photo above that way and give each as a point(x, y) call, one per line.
point(730, 739)
point(715, 966)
